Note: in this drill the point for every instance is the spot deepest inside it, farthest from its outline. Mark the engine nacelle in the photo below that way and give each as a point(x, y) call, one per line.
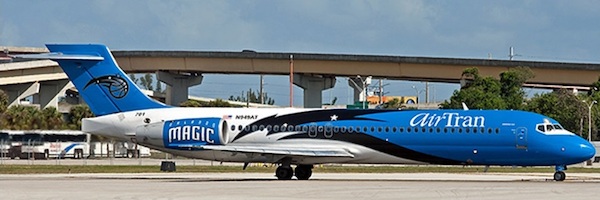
point(181, 133)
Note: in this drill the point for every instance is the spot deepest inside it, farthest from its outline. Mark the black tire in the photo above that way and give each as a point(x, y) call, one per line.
point(78, 154)
point(284, 172)
point(303, 172)
point(559, 176)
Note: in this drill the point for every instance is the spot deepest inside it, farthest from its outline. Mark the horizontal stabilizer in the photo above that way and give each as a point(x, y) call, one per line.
point(60, 56)
point(281, 150)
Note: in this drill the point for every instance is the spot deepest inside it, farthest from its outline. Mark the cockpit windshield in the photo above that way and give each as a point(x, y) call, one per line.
point(549, 127)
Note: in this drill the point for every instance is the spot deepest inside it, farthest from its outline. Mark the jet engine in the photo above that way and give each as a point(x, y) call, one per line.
point(184, 133)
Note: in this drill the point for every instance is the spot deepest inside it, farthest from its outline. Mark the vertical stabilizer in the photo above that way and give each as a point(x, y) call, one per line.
point(101, 83)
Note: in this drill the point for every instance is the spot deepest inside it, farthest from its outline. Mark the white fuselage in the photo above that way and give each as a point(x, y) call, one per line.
point(123, 126)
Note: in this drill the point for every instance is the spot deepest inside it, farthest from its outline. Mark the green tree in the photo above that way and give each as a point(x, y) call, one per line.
point(3, 101)
point(146, 81)
point(77, 113)
point(511, 86)
point(478, 93)
point(215, 103)
point(191, 103)
point(561, 105)
point(392, 104)
point(489, 93)
point(20, 117)
point(252, 97)
point(51, 119)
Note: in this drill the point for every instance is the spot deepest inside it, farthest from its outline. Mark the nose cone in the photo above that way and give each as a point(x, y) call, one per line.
point(586, 151)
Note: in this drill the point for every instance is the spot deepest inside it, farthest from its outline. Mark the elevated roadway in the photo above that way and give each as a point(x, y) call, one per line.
point(312, 72)
point(391, 67)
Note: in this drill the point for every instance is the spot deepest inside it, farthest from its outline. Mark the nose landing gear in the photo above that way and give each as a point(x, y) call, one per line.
point(560, 175)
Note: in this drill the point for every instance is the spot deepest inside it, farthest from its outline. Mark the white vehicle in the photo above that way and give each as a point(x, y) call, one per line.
point(44, 144)
point(5, 144)
point(118, 149)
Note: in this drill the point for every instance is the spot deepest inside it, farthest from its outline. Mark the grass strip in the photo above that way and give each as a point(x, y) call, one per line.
point(56, 169)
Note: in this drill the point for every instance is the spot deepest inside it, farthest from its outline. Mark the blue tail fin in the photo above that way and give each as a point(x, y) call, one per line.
point(101, 83)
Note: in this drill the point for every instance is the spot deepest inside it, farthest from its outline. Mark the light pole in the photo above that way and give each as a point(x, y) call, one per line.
point(590, 120)
point(365, 83)
point(417, 92)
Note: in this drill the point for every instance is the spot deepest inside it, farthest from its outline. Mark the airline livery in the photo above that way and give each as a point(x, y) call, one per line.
point(305, 137)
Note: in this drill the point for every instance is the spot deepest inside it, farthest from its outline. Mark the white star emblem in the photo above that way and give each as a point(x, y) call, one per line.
point(334, 117)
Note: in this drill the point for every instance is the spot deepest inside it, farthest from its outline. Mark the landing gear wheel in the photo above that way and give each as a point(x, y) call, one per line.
point(284, 172)
point(559, 176)
point(303, 172)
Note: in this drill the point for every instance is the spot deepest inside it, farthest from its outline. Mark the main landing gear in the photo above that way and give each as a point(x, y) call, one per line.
point(560, 175)
point(285, 172)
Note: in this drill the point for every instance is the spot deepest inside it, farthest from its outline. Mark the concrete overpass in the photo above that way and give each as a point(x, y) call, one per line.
point(316, 72)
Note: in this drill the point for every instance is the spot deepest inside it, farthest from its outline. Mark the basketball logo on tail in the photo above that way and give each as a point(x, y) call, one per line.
point(117, 87)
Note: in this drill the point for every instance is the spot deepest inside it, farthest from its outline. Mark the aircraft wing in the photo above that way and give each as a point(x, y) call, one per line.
point(281, 150)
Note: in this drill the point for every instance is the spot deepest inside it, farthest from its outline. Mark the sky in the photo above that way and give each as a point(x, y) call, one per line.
point(539, 30)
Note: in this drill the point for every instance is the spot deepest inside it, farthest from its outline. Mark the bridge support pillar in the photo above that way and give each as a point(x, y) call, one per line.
point(20, 91)
point(50, 91)
point(177, 85)
point(313, 87)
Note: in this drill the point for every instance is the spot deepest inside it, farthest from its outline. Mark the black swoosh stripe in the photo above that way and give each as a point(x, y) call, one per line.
point(308, 117)
point(380, 145)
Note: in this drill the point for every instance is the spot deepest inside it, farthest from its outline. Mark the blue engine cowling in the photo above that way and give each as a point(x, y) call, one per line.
point(184, 133)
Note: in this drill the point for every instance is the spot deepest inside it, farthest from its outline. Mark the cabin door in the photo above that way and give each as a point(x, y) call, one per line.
point(521, 137)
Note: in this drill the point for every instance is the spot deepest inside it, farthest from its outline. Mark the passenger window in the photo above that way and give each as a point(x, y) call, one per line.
point(269, 128)
point(247, 128)
point(379, 129)
point(261, 127)
point(482, 130)
point(408, 129)
point(459, 130)
point(336, 129)
point(416, 130)
point(438, 130)
point(466, 130)
point(497, 130)
point(240, 127)
point(430, 130)
point(350, 129)
point(423, 129)
point(344, 129)
point(305, 128)
point(445, 130)
point(490, 130)
point(387, 129)
point(276, 128)
point(298, 128)
point(290, 128)
point(474, 130)
point(254, 128)
point(232, 127)
point(372, 129)
point(365, 129)
point(320, 129)
point(401, 129)
point(394, 129)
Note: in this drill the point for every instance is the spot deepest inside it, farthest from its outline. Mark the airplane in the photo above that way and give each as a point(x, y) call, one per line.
point(307, 137)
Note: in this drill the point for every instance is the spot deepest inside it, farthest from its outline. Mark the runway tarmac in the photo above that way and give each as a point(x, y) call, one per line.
point(345, 186)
